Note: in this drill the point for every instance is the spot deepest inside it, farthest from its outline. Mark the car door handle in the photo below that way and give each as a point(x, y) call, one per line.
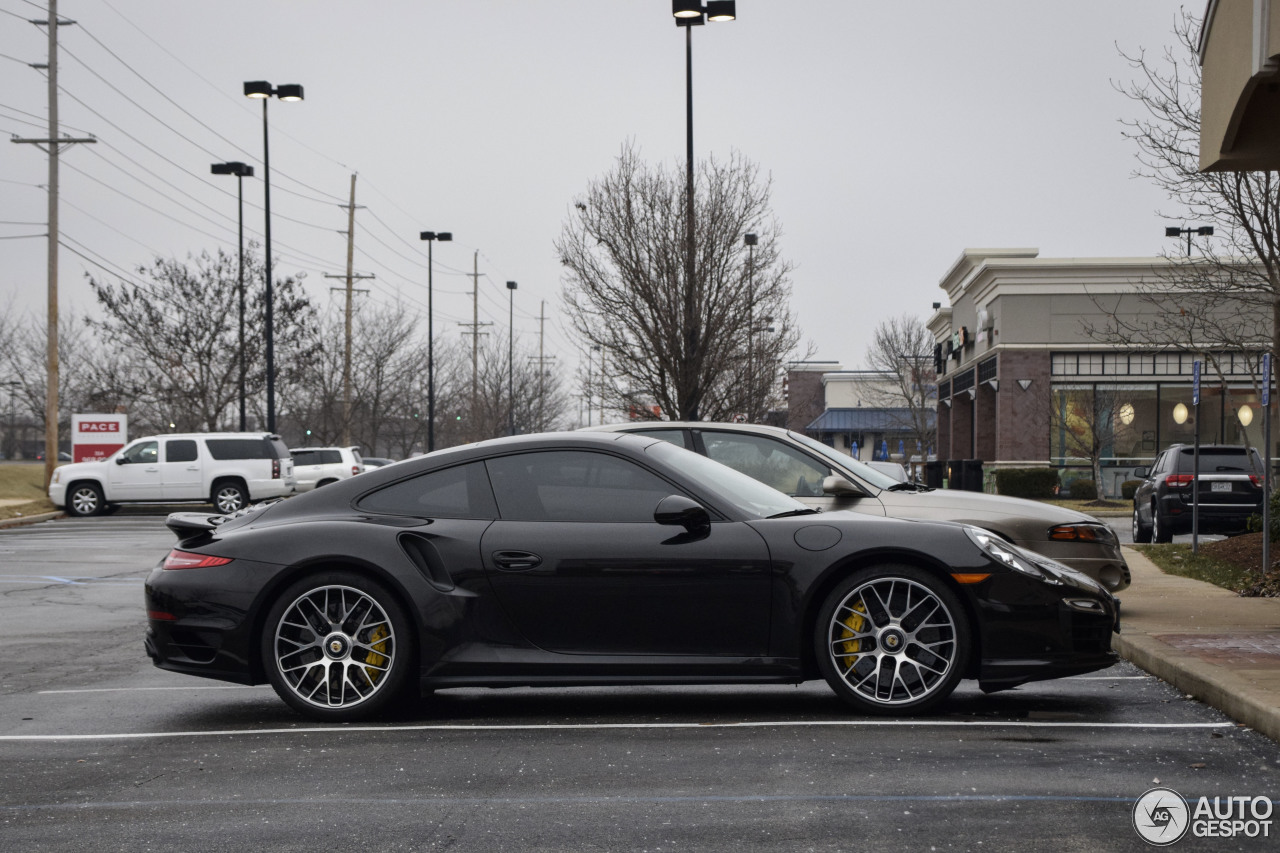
point(516, 561)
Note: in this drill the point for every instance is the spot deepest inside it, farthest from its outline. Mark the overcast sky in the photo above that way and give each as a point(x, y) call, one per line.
point(896, 135)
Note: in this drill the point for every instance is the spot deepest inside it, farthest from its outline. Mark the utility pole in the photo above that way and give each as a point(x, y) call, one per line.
point(51, 146)
point(350, 276)
point(542, 366)
point(475, 333)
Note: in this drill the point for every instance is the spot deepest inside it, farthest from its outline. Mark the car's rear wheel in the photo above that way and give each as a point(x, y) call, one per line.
point(1161, 531)
point(1141, 532)
point(337, 647)
point(229, 496)
point(893, 639)
point(85, 499)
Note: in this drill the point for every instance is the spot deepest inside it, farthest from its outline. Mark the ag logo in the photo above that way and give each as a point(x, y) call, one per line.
point(1161, 816)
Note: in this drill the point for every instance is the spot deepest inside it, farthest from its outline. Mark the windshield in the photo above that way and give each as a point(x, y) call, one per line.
point(747, 494)
point(846, 462)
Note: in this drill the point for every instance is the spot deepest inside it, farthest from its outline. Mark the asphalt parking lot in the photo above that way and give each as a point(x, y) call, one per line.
point(102, 750)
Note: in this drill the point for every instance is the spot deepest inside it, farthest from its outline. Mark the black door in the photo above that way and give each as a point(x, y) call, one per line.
point(580, 566)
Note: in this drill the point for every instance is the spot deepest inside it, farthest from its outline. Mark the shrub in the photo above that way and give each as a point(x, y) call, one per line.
point(1035, 483)
point(1255, 521)
point(1128, 487)
point(1084, 490)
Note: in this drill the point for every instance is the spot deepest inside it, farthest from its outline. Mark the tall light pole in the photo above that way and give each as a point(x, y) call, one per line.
point(241, 171)
point(511, 360)
point(431, 237)
point(690, 14)
point(289, 92)
point(750, 241)
point(1199, 231)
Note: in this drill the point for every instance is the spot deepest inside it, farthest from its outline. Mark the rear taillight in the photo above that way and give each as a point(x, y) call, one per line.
point(1256, 480)
point(186, 560)
point(275, 469)
point(355, 469)
point(1179, 481)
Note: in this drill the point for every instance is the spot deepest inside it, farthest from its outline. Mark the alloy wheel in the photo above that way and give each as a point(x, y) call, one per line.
point(893, 641)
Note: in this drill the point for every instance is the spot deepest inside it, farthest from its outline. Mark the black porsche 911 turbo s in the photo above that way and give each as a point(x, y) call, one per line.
point(604, 559)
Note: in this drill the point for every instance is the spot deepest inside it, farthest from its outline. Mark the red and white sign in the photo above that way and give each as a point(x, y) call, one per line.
point(95, 437)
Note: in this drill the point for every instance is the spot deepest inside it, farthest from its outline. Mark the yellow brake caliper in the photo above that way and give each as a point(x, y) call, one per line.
point(377, 640)
point(852, 625)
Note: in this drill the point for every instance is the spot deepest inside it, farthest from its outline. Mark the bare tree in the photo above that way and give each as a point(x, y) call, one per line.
point(627, 292)
point(177, 334)
point(1228, 299)
point(902, 349)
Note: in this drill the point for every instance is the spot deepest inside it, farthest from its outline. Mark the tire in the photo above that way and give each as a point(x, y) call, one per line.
point(1161, 531)
point(1141, 532)
point(873, 612)
point(337, 647)
point(229, 496)
point(85, 499)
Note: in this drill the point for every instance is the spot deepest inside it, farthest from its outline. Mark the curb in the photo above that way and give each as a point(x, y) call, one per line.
point(20, 520)
point(1213, 685)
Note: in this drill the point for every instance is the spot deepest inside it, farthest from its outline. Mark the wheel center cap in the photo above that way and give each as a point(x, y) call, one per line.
point(892, 640)
point(336, 646)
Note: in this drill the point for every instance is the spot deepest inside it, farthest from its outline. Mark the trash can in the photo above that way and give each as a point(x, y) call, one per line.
point(933, 473)
point(972, 475)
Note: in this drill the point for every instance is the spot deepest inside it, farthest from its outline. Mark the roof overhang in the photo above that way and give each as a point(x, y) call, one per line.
point(1240, 86)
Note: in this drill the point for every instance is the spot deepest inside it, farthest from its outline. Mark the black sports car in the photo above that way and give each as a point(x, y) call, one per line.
point(604, 559)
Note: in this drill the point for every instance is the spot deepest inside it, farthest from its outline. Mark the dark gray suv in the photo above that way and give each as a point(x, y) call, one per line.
point(1230, 487)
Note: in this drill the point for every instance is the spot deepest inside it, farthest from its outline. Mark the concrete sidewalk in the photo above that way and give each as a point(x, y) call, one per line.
point(1207, 641)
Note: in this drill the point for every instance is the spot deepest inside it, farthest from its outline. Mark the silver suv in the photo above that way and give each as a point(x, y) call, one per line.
point(320, 466)
point(226, 469)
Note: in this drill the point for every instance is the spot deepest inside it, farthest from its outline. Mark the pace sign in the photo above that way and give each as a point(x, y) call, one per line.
point(95, 437)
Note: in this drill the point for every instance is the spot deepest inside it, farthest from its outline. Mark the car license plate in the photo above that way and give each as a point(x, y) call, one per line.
point(1219, 487)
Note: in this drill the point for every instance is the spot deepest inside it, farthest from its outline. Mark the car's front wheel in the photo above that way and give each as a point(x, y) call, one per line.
point(893, 639)
point(337, 647)
point(85, 499)
point(1141, 532)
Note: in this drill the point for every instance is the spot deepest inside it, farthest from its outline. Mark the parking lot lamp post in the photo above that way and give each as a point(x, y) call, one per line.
point(431, 237)
point(263, 90)
point(690, 14)
point(511, 361)
point(1200, 231)
point(241, 171)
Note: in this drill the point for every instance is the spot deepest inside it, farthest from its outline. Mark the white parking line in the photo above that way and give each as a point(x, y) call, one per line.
point(964, 724)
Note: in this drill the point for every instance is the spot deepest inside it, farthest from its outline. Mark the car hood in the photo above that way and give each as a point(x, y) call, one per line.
point(977, 507)
point(72, 469)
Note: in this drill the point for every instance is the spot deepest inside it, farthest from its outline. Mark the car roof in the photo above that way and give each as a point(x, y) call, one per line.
point(628, 426)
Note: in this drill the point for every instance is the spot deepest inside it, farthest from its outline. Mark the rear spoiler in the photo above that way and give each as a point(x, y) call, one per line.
point(188, 524)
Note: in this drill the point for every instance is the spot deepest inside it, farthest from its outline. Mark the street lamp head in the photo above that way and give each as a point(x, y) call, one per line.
point(721, 10)
point(1172, 232)
point(235, 167)
point(289, 92)
point(257, 89)
point(445, 236)
point(749, 239)
point(511, 285)
point(1205, 230)
point(686, 8)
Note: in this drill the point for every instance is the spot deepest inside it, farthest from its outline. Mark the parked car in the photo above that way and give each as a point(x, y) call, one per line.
point(823, 477)
point(226, 469)
point(377, 461)
point(586, 558)
point(1229, 482)
point(319, 466)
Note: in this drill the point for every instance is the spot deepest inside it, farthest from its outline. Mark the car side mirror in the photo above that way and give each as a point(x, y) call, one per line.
point(1140, 473)
point(682, 511)
point(841, 488)
point(120, 460)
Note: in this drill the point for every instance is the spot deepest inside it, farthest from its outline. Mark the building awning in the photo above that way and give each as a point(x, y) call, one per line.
point(865, 420)
point(1240, 95)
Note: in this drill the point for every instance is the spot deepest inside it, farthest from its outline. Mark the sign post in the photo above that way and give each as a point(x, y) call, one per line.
point(1195, 470)
point(1266, 460)
point(95, 437)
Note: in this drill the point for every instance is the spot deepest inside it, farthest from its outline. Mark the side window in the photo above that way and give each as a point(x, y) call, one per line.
point(143, 453)
point(675, 436)
point(331, 457)
point(180, 450)
point(771, 462)
point(306, 457)
point(241, 448)
point(575, 485)
point(458, 492)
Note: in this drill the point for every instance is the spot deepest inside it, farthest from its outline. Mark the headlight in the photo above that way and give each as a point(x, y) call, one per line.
point(57, 475)
point(1083, 532)
point(1004, 553)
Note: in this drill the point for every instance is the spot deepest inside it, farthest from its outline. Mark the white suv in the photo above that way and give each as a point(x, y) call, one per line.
point(226, 469)
point(319, 466)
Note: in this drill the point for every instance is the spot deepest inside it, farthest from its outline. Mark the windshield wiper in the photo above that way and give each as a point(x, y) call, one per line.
point(908, 487)
point(787, 514)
